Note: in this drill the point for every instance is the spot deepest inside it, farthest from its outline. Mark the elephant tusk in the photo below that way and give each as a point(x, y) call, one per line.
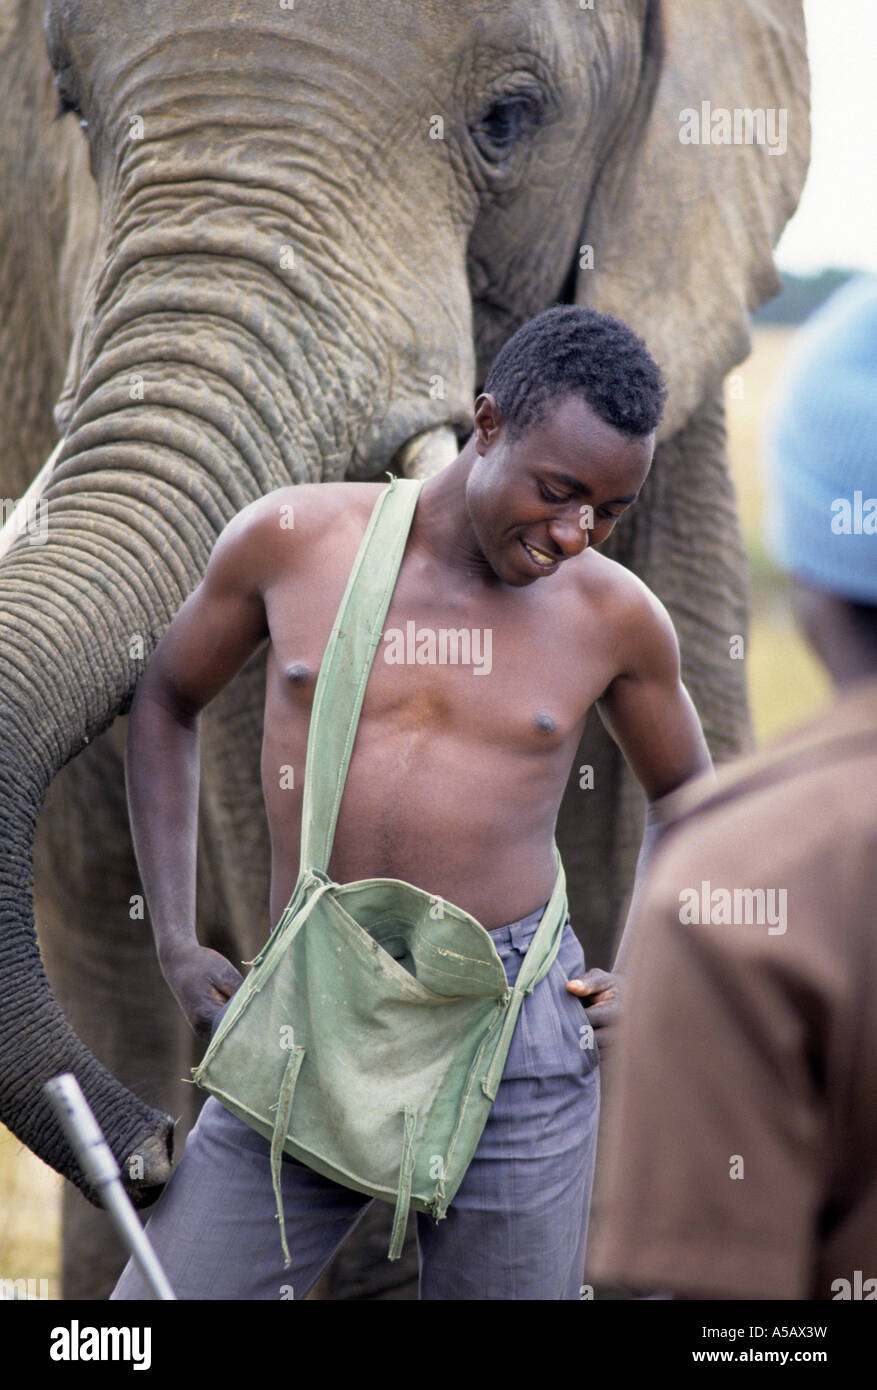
point(24, 511)
point(427, 453)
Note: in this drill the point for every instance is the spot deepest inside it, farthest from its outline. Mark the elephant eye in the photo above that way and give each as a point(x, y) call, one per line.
point(66, 86)
point(503, 124)
point(65, 107)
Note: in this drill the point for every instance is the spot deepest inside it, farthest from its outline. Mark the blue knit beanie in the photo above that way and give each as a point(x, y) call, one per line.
point(821, 513)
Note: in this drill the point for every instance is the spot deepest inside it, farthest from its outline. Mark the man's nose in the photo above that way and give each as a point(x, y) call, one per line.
point(569, 536)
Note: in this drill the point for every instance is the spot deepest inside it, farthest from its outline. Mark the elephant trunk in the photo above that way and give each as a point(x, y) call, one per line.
point(152, 468)
point(59, 687)
point(125, 528)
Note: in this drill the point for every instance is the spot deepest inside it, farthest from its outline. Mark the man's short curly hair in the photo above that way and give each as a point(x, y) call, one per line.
point(573, 350)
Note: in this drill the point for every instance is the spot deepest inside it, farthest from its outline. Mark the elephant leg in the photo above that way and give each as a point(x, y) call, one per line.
point(599, 828)
point(101, 963)
point(683, 539)
point(695, 560)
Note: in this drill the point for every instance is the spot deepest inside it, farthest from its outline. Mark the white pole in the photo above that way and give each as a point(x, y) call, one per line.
point(99, 1166)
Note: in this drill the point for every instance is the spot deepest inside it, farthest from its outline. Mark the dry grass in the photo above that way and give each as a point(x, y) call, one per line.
point(786, 684)
point(30, 1215)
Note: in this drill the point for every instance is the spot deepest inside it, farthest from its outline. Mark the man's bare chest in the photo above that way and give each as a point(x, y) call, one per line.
point(520, 666)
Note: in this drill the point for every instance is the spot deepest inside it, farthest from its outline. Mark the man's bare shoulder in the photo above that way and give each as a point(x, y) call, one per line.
point(617, 591)
point(278, 531)
point(639, 623)
point(307, 508)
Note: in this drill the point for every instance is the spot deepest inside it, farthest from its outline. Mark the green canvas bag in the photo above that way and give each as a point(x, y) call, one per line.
point(369, 1039)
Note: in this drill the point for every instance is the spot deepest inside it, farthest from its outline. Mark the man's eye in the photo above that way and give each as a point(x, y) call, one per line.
point(549, 495)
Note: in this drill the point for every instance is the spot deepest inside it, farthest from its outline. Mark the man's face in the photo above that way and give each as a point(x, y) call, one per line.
point(545, 496)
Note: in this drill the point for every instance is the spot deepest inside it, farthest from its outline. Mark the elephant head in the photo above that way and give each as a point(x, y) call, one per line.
point(317, 225)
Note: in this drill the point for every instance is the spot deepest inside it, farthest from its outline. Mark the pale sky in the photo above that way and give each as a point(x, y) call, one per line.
point(836, 221)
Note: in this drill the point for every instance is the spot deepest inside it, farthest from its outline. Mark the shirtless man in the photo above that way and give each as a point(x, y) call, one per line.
point(456, 778)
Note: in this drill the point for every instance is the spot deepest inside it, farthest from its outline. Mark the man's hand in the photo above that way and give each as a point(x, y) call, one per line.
point(600, 993)
point(202, 982)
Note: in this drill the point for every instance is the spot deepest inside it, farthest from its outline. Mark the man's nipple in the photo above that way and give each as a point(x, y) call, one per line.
point(297, 674)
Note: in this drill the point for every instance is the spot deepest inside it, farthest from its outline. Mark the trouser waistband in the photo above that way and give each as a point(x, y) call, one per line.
point(521, 932)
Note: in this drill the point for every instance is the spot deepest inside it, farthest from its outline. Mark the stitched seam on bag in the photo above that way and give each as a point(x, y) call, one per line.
point(453, 909)
point(428, 949)
point(501, 1008)
point(392, 914)
point(253, 984)
point(283, 1107)
point(492, 1078)
point(269, 964)
point(406, 1180)
point(374, 951)
point(457, 955)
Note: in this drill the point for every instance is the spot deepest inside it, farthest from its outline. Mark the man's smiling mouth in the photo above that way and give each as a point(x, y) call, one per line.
point(540, 557)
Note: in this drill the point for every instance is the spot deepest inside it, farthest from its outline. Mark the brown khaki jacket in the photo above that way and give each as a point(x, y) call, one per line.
point(740, 1151)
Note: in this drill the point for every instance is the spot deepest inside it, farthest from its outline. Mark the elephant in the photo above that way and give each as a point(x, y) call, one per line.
point(285, 247)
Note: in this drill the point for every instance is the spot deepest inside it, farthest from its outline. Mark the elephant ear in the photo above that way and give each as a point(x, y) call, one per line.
point(683, 234)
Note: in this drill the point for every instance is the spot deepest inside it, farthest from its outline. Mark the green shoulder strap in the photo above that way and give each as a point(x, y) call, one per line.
point(346, 666)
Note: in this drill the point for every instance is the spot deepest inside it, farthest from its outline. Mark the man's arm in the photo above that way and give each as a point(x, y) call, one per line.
point(646, 708)
point(651, 717)
point(216, 630)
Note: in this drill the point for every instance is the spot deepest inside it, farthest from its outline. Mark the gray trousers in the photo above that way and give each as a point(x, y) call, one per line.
point(516, 1228)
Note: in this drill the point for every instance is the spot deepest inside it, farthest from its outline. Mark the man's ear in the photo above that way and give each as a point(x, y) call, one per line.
point(488, 421)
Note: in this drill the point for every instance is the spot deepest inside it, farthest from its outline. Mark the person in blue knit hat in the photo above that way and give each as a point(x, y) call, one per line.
point(741, 1158)
point(822, 515)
